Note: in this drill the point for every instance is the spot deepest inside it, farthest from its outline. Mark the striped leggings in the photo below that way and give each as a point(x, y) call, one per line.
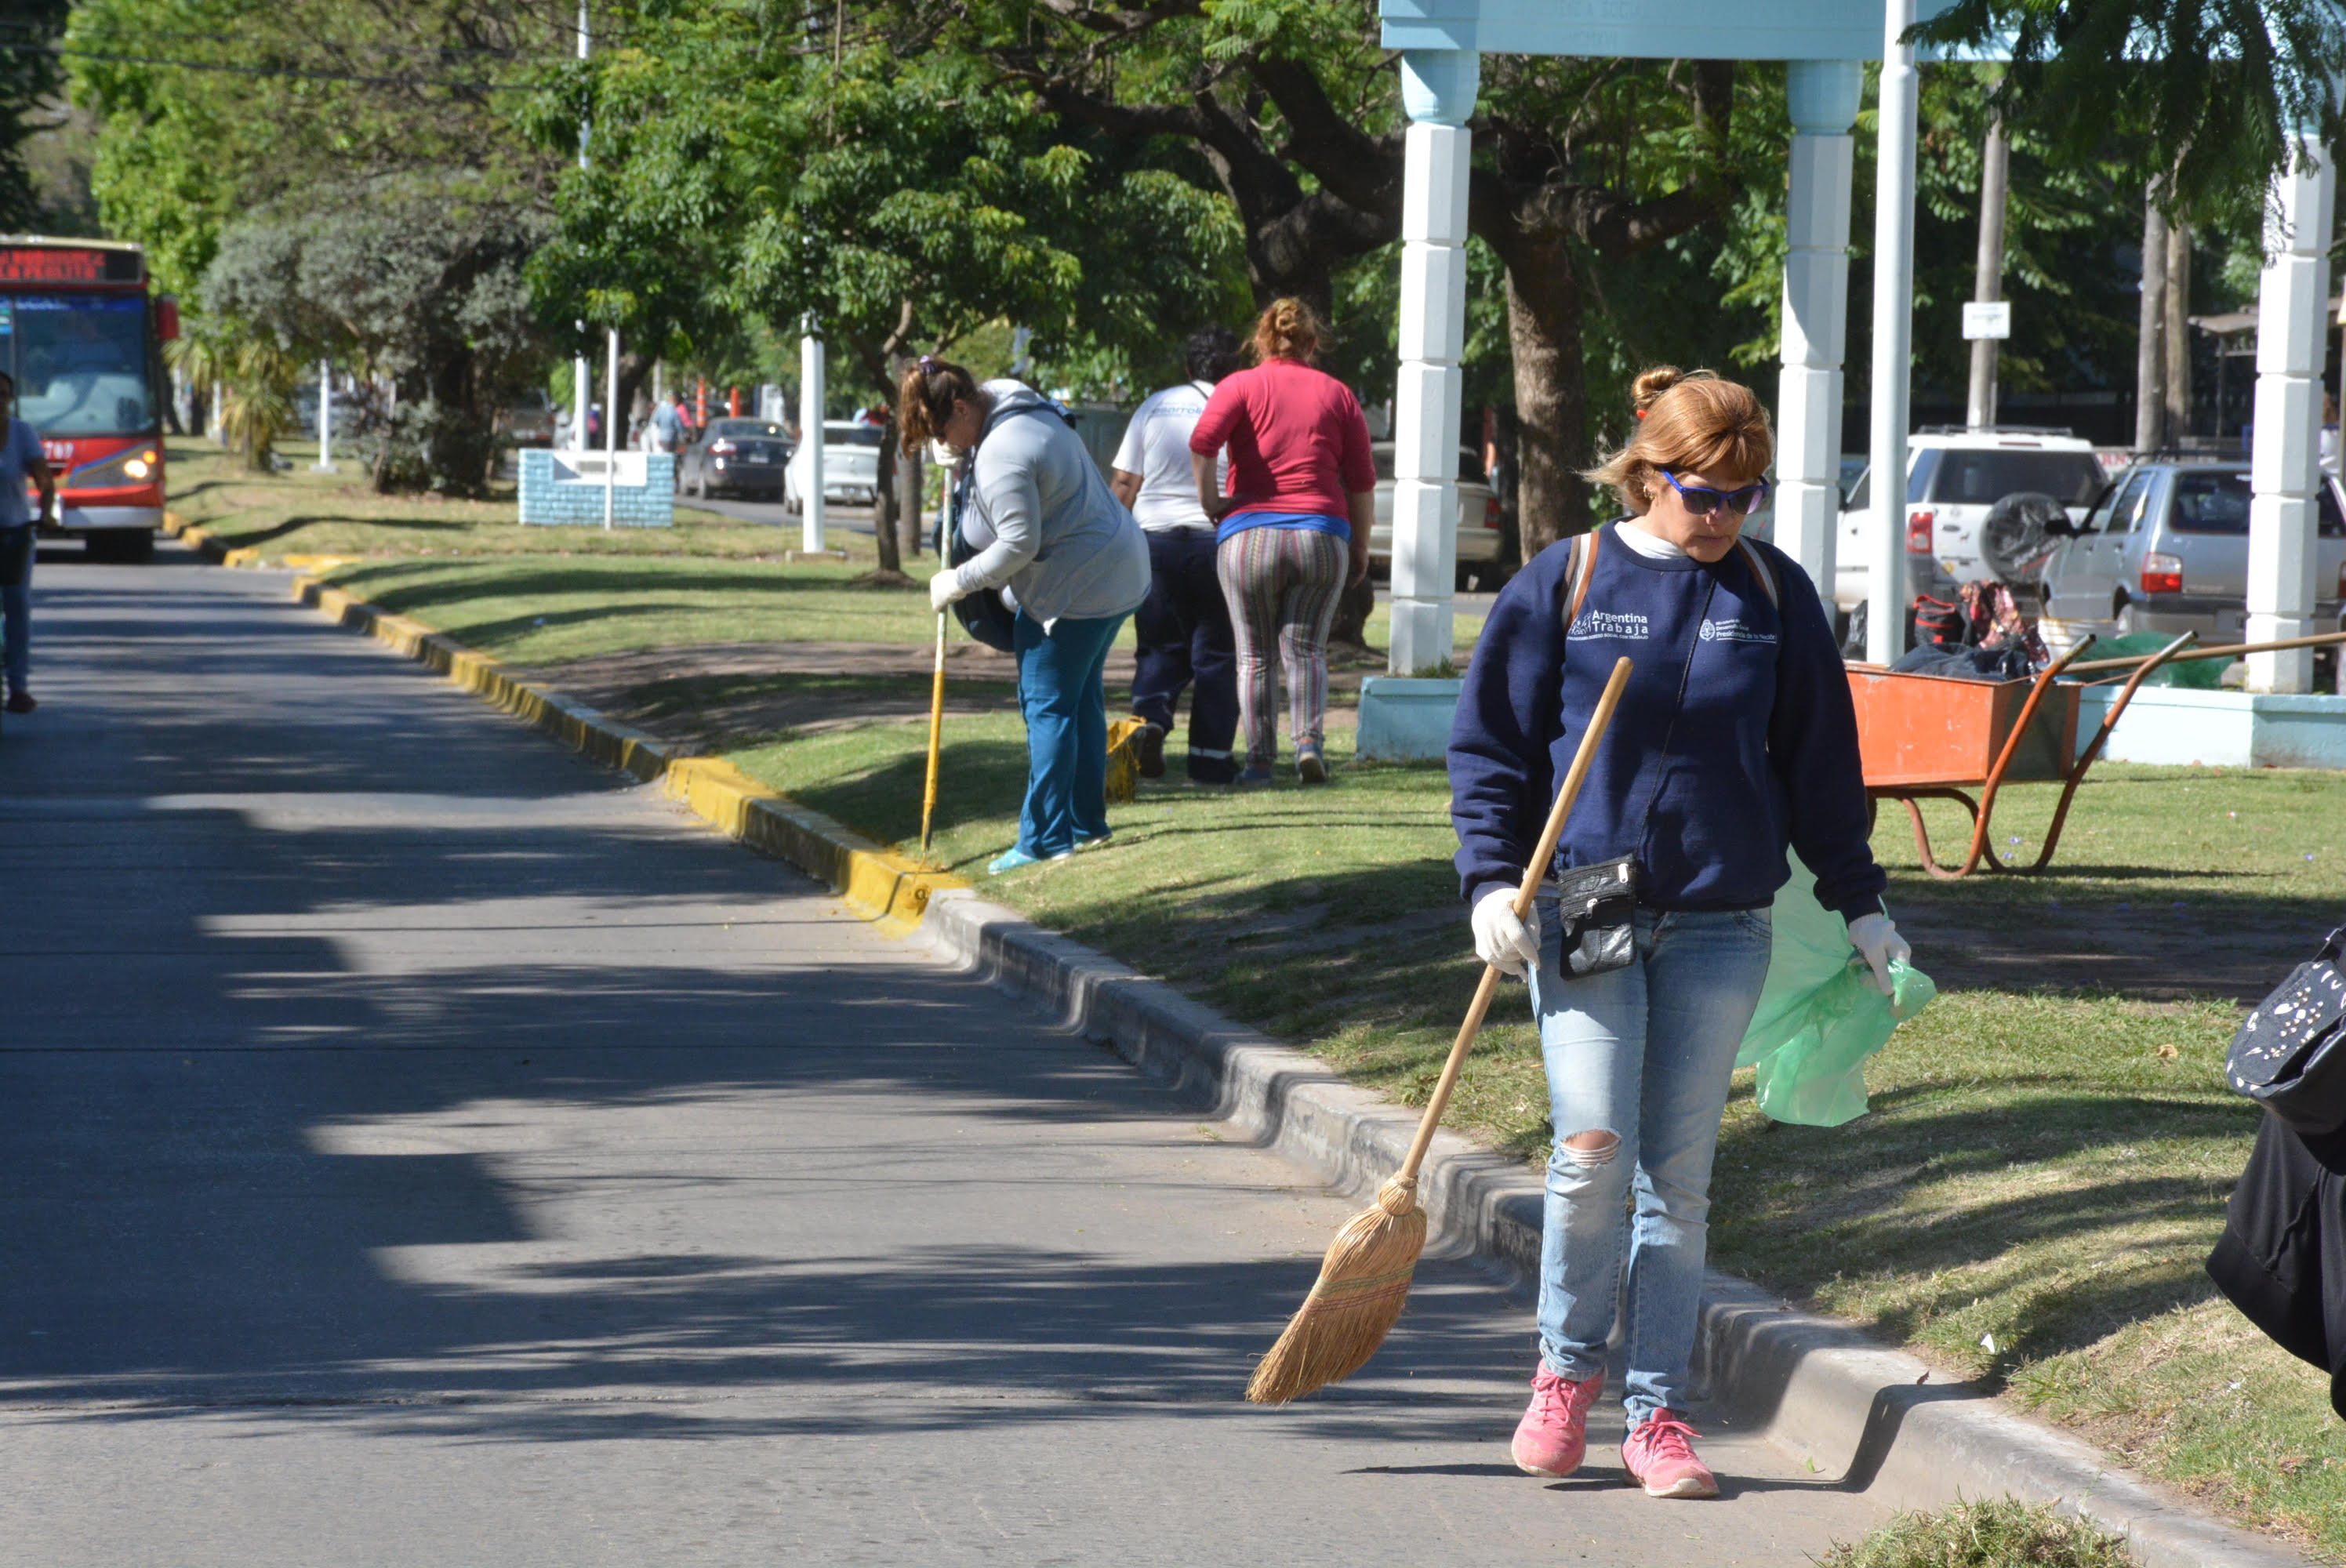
point(1283, 585)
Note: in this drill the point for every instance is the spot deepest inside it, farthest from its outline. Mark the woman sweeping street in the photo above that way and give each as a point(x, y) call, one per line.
point(1735, 740)
point(1294, 529)
point(1074, 564)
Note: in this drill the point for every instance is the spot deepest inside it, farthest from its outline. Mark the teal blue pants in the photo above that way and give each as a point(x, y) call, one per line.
point(1062, 691)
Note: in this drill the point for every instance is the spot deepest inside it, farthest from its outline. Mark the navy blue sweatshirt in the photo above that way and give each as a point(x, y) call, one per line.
point(1763, 753)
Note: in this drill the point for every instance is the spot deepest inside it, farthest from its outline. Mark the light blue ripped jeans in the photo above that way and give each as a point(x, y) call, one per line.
point(1643, 1053)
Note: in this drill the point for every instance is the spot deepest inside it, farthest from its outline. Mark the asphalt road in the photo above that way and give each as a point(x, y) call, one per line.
point(419, 1146)
point(774, 514)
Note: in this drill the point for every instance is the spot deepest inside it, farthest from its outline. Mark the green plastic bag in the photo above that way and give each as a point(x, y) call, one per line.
point(1820, 1014)
point(2199, 675)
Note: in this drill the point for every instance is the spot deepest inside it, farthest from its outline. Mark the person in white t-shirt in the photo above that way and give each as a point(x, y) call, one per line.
point(1184, 625)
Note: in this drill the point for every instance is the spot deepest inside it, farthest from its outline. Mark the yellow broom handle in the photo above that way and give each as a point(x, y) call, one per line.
point(1534, 872)
point(936, 734)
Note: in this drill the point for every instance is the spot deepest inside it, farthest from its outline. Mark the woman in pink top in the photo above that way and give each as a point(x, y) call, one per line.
point(1294, 529)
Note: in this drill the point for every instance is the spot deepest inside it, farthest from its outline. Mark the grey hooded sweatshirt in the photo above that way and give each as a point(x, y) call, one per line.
point(1061, 541)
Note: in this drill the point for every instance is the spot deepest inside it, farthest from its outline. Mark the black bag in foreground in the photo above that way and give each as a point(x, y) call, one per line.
point(2291, 1055)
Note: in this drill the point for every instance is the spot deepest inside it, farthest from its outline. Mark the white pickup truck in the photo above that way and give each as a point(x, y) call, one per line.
point(1953, 479)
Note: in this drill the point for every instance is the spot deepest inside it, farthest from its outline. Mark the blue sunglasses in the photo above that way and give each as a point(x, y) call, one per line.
point(1702, 501)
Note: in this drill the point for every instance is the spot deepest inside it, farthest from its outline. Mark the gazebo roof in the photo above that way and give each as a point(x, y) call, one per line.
point(1652, 29)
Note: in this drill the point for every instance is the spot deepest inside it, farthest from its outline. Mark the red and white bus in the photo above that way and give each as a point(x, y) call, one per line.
point(83, 340)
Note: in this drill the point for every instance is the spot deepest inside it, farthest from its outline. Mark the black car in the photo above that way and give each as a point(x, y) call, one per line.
point(743, 457)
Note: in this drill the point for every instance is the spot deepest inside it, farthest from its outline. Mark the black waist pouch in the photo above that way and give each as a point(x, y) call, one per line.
point(16, 555)
point(1598, 907)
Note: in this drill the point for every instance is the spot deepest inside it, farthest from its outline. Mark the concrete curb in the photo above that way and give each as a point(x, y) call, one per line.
point(1820, 1389)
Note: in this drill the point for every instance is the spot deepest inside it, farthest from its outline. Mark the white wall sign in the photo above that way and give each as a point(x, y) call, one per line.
point(1991, 320)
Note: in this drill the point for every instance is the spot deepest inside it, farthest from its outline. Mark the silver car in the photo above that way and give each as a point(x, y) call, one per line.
point(2166, 550)
point(1481, 538)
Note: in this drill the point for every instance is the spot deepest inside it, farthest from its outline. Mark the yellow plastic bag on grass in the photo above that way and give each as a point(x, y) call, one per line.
point(1820, 1013)
point(1123, 762)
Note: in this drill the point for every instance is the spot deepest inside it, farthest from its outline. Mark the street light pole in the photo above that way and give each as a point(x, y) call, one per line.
point(810, 458)
point(326, 463)
point(1894, 339)
point(578, 373)
point(610, 427)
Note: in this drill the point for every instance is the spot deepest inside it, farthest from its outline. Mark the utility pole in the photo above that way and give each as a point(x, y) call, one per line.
point(579, 372)
point(2150, 353)
point(1987, 286)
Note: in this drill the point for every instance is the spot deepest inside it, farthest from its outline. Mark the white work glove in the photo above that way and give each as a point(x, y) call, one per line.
point(944, 588)
point(1876, 937)
point(1500, 939)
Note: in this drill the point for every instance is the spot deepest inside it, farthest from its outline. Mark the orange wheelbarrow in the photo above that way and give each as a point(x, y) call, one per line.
point(1938, 737)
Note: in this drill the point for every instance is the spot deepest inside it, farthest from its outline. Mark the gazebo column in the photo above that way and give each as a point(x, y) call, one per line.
point(1823, 97)
point(2292, 342)
point(1438, 88)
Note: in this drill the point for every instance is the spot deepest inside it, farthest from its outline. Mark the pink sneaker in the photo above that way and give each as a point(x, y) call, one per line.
point(1659, 1455)
point(1553, 1433)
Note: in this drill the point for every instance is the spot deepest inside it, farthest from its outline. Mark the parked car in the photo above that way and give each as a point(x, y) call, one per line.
point(745, 457)
point(1953, 478)
point(851, 465)
point(2166, 550)
point(531, 420)
point(1482, 541)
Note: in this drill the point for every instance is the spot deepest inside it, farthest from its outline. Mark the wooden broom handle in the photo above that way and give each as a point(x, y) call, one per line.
point(1534, 872)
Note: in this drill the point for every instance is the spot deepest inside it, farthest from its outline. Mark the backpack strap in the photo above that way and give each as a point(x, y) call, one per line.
point(1579, 567)
point(1762, 570)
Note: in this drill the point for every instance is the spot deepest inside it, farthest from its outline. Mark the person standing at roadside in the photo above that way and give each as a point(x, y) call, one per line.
point(1294, 529)
point(1735, 740)
point(1184, 625)
point(665, 433)
point(1074, 563)
point(20, 460)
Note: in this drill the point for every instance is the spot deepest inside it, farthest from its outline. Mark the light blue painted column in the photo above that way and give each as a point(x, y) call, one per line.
point(1822, 96)
point(1437, 90)
point(1893, 340)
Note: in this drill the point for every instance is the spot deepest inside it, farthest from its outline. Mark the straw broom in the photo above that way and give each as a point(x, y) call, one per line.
point(936, 734)
point(1364, 1280)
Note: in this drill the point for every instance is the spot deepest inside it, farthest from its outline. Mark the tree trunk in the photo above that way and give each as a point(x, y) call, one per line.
point(2150, 356)
point(908, 504)
point(1543, 316)
point(633, 368)
point(891, 571)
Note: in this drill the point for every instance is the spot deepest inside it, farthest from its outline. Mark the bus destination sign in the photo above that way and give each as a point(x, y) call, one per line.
point(68, 264)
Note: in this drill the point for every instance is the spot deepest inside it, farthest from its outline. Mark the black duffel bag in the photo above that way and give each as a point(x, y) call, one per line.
point(2290, 1056)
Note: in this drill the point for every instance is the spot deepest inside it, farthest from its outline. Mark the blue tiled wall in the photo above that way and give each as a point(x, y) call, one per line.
point(545, 500)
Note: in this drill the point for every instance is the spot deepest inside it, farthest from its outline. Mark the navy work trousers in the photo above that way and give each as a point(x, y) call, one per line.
point(1184, 631)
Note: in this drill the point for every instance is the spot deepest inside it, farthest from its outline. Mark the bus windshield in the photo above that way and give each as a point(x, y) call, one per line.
point(80, 362)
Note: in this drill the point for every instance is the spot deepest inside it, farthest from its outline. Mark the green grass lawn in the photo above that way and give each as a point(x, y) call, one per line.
point(544, 595)
point(548, 595)
point(2044, 1167)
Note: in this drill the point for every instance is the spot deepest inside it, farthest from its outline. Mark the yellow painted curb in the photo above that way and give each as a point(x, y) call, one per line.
point(890, 889)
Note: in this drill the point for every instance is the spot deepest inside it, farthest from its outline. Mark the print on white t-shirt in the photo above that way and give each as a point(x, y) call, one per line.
point(1155, 447)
